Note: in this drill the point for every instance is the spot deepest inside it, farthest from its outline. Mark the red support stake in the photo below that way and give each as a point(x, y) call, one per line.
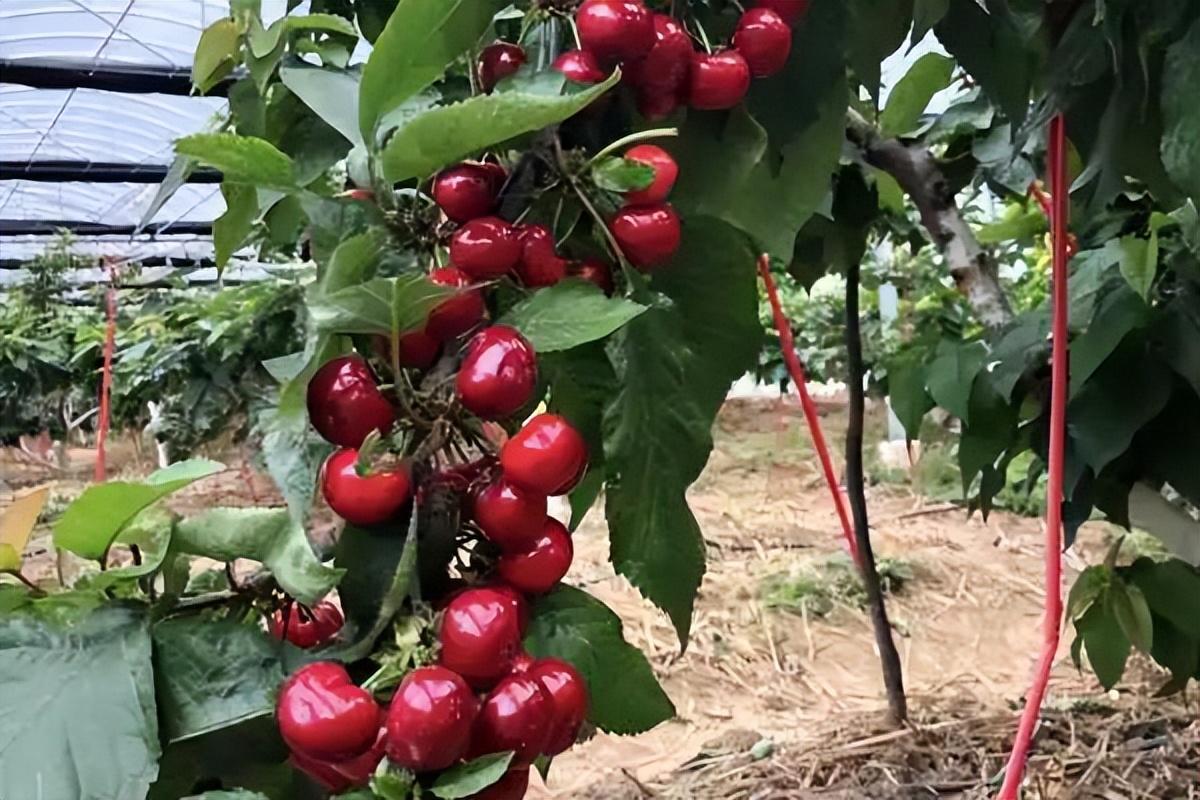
point(110, 337)
point(788, 343)
point(1052, 621)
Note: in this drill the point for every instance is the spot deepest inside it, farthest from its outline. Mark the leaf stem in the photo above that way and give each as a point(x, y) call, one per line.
point(34, 589)
point(703, 36)
point(637, 136)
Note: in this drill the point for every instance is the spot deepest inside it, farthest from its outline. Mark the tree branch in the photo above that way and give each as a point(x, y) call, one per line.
point(916, 170)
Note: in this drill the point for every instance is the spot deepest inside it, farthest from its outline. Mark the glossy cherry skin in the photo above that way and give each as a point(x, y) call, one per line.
point(664, 69)
point(512, 786)
point(429, 720)
point(517, 715)
point(485, 248)
point(467, 190)
point(764, 40)
point(480, 634)
point(790, 10)
point(416, 350)
point(498, 373)
point(310, 627)
point(655, 106)
point(342, 775)
point(497, 62)
point(580, 66)
point(345, 404)
point(615, 30)
point(547, 456)
point(665, 173)
point(323, 715)
point(540, 265)
point(569, 691)
point(648, 235)
point(718, 80)
point(363, 500)
point(595, 271)
point(510, 517)
point(539, 569)
point(456, 315)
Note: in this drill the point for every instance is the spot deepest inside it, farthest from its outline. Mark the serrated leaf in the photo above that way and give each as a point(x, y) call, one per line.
point(1133, 614)
point(1106, 646)
point(464, 780)
point(421, 39)
point(1181, 114)
point(216, 54)
point(568, 314)
point(332, 94)
point(622, 175)
point(624, 696)
point(241, 159)
point(177, 175)
point(231, 228)
point(17, 522)
point(379, 306)
point(91, 523)
point(445, 134)
point(293, 453)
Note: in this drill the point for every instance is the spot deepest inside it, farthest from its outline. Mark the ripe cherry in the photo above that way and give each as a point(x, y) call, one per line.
point(790, 10)
point(654, 106)
point(323, 715)
point(648, 235)
point(341, 775)
point(307, 627)
point(480, 634)
point(664, 70)
point(497, 62)
point(718, 80)
point(539, 569)
point(595, 271)
point(345, 404)
point(498, 373)
point(416, 350)
point(512, 786)
point(485, 248)
point(569, 691)
point(764, 40)
point(467, 190)
point(615, 30)
point(539, 265)
point(363, 500)
point(547, 456)
point(516, 715)
point(458, 314)
point(510, 517)
point(665, 173)
point(429, 720)
point(580, 66)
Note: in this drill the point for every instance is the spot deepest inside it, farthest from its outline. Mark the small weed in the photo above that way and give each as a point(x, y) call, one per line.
point(822, 586)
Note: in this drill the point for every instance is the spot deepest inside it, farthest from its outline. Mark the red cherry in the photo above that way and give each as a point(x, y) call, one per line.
point(516, 715)
point(664, 70)
point(569, 691)
point(547, 456)
point(540, 265)
point(790, 10)
point(466, 191)
point(510, 517)
point(323, 715)
point(458, 314)
point(665, 173)
point(498, 373)
point(718, 80)
point(363, 500)
point(764, 40)
point(485, 248)
point(345, 404)
point(497, 62)
point(512, 786)
point(615, 30)
point(539, 569)
point(580, 66)
point(522, 663)
point(417, 349)
point(648, 235)
point(341, 775)
point(480, 635)
point(654, 106)
point(322, 772)
point(597, 272)
point(430, 718)
point(308, 627)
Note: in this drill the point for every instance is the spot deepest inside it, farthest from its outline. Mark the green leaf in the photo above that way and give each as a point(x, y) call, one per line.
point(1179, 333)
point(332, 94)
point(1106, 646)
point(1181, 113)
point(211, 674)
point(293, 453)
point(1022, 347)
point(1132, 613)
point(1172, 590)
point(877, 29)
point(1087, 589)
point(268, 535)
point(926, 14)
point(952, 374)
point(906, 391)
point(568, 314)
point(622, 175)
point(1118, 312)
point(248, 754)
point(381, 573)
point(79, 715)
point(236, 794)
point(992, 428)
point(989, 44)
point(624, 696)
point(445, 134)
point(1139, 262)
point(382, 305)
point(242, 159)
point(91, 523)
point(177, 175)
point(421, 38)
point(231, 228)
point(216, 54)
point(474, 776)
point(392, 784)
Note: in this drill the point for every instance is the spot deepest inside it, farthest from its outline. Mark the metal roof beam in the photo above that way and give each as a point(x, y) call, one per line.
point(53, 73)
point(20, 227)
point(96, 172)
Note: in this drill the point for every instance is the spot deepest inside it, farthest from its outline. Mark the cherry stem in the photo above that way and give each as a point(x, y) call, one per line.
point(703, 37)
point(365, 451)
point(34, 589)
point(639, 136)
point(574, 32)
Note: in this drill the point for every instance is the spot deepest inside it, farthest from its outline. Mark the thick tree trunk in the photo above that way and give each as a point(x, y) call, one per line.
point(889, 658)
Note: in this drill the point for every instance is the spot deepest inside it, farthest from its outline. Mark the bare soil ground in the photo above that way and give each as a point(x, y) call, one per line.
point(781, 704)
